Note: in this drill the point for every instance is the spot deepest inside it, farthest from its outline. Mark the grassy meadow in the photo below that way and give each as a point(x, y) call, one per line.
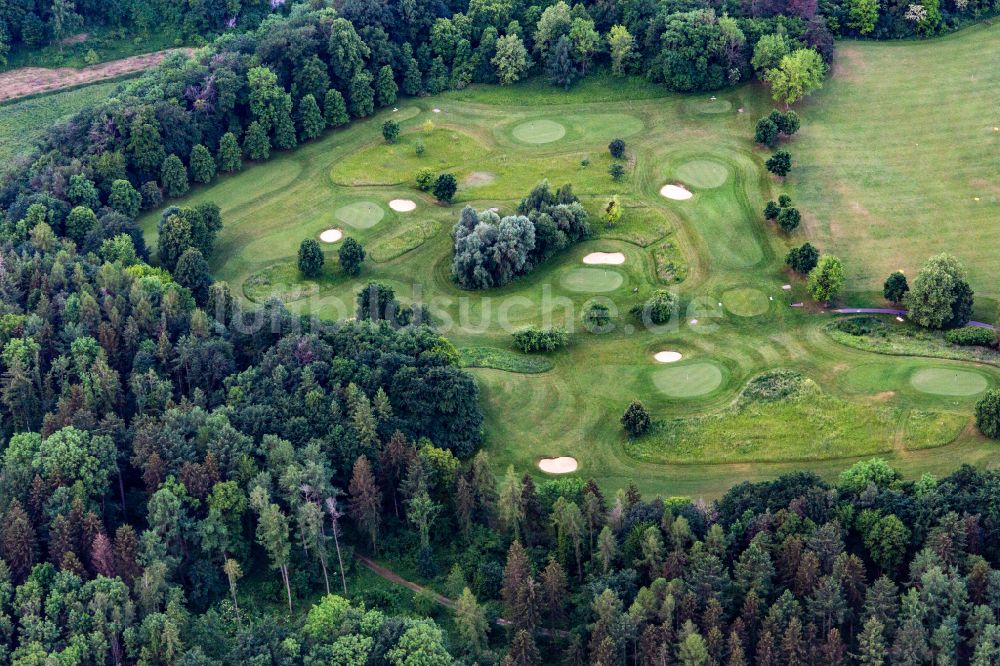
point(868, 196)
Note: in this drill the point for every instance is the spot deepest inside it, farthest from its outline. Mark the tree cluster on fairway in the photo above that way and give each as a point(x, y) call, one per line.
point(802, 259)
point(533, 339)
point(782, 211)
point(776, 125)
point(490, 251)
point(940, 296)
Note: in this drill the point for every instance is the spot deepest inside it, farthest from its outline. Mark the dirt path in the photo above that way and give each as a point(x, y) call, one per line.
point(25, 81)
point(393, 577)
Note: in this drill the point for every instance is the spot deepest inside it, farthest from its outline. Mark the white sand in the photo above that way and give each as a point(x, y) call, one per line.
point(562, 465)
point(667, 356)
point(613, 258)
point(676, 192)
point(402, 205)
point(331, 235)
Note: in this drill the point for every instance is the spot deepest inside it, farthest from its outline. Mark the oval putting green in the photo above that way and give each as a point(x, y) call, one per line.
point(539, 131)
point(689, 380)
point(746, 302)
point(705, 174)
point(360, 214)
point(591, 280)
point(948, 381)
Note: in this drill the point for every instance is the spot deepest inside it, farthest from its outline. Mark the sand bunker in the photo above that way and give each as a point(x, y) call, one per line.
point(613, 258)
point(667, 356)
point(331, 235)
point(561, 465)
point(676, 192)
point(402, 205)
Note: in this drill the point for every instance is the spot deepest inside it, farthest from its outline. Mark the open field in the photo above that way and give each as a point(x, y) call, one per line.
point(714, 249)
point(898, 158)
point(23, 122)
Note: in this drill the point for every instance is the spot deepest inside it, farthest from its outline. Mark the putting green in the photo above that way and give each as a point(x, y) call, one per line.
point(705, 174)
point(948, 381)
point(360, 214)
point(688, 381)
point(539, 131)
point(712, 106)
point(746, 302)
point(591, 280)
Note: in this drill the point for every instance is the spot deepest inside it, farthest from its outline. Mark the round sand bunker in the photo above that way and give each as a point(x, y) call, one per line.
point(676, 192)
point(561, 465)
point(402, 205)
point(613, 258)
point(331, 235)
point(667, 356)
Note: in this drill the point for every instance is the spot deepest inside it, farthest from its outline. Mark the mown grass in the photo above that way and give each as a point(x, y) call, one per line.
point(703, 249)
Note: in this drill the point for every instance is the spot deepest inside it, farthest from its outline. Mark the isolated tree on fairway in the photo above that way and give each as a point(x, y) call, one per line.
point(202, 165)
point(895, 287)
point(597, 318)
point(826, 279)
point(771, 210)
point(124, 198)
point(802, 259)
point(988, 414)
point(311, 258)
point(311, 121)
point(635, 420)
point(511, 59)
point(174, 176)
point(425, 179)
point(335, 109)
point(789, 219)
point(386, 88)
point(390, 131)
point(780, 163)
point(766, 132)
point(561, 68)
point(617, 149)
point(230, 156)
point(612, 212)
point(445, 187)
point(616, 171)
point(940, 296)
point(797, 75)
point(788, 123)
point(192, 272)
point(256, 143)
point(351, 255)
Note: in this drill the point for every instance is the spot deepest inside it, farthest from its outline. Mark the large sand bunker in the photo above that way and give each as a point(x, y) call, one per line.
point(402, 205)
point(331, 235)
point(561, 465)
point(613, 258)
point(676, 192)
point(667, 356)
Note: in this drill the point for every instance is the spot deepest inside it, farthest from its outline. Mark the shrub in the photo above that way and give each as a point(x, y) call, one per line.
point(425, 179)
point(636, 419)
point(772, 386)
point(616, 171)
point(419, 147)
point(617, 149)
point(971, 336)
point(988, 414)
point(659, 308)
point(860, 325)
point(532, 339)
point(597, 318)
point(310, 258)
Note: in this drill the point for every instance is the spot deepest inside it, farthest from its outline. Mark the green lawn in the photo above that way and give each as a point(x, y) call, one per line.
point(714, 250)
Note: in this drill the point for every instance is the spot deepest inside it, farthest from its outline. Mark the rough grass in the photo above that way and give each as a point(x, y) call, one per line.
point(502, 359)
point(907, 340)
